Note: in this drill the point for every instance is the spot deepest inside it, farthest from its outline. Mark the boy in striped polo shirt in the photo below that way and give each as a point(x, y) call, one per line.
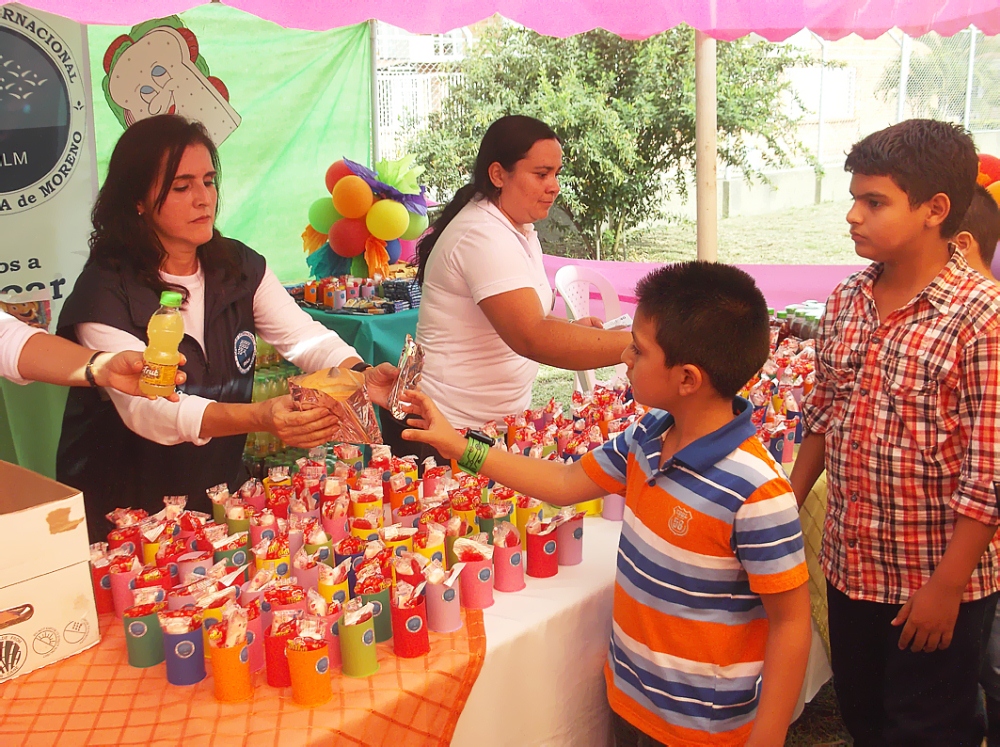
point(711, 626)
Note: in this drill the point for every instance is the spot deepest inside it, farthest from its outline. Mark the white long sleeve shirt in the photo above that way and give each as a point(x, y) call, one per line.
point(13, 335)
point(293, 333)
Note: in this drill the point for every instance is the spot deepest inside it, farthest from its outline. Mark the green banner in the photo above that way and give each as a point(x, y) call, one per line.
point(305, 101)
point(304, 98)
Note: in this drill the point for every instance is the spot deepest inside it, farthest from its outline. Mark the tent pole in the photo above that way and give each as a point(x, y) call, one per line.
point(969, 81)
point(904, 75)
point(373, 36)
point(705, 132)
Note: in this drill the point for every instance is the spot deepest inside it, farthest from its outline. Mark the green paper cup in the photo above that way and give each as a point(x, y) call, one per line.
point(143, 640)
point(359, 657)
point(238, 525)
point(324, 549)
point(382, 618)
point(218, 513)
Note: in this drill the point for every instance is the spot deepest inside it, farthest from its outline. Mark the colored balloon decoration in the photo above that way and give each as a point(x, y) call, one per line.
point(352, 197)
point(335, 173)
point(322, 214)
point(366, 215)
point(418, 224)
point(387, 220)
point(394, 249)
point(348, 237)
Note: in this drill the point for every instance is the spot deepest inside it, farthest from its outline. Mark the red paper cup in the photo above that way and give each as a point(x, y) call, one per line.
point(444, 607)
point(477, 584)
point(309, 673)
point(102, 589)
point(276, 660)
point(255, 642)
point(543, 558)
point(569, 537)
point(258, 533)
point(122, 585)
point(130, 538)
point(508, 568)
point(409, 630)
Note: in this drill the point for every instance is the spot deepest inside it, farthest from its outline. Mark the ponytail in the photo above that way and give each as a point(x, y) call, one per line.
point(506, 142)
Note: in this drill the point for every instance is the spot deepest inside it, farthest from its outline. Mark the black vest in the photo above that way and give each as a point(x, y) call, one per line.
point(112, 465)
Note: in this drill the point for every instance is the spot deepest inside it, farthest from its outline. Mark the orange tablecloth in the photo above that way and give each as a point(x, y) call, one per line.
point(95, 698)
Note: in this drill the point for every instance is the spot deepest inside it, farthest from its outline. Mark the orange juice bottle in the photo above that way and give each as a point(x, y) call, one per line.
point(165, 330)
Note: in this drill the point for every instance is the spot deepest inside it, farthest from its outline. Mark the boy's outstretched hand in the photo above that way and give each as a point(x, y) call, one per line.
point(431, 427)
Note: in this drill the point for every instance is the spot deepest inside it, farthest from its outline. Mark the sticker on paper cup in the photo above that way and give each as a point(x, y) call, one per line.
point(265, 606)
point(282, 569)
point(340, 596)
point(199, 571)
point(376, 608)
point(335, 629)
point(172, 569)
point(414, 624)
point(515, 559)
point(106, 582)
point(184, 650)
point(239, 557)
point(250, 637)
point(137, 628)
point(448, 595)
point(400, 550)
point(323, 665)
point(324, 553)
point(484, 574)
point(210, 621)
point(358, 561)
point(549, 547)
point(409, 498)
point(128, 547)
point(438, 556)
point(578, 533)
point(267, 534)
point(368, 638)
point(244, 655)
point(131, 583)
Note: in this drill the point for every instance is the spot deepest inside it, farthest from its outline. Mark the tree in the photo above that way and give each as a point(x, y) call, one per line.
point(625, 112)
point(938, 78)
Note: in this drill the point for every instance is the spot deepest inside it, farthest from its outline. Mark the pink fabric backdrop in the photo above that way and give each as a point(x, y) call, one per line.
point(781, 284)
point(723, 19)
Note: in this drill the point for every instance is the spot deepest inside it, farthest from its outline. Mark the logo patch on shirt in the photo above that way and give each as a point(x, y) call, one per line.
point(245, 351)
point(679, 521)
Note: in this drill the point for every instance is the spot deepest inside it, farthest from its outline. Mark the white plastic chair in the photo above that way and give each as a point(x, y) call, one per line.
point(573, 283)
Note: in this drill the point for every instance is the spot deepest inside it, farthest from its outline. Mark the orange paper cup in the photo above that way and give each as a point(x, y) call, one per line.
point(310, 674)
point(231, 672)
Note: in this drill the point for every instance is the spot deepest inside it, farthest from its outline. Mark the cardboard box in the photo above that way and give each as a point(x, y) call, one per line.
point(47, 610)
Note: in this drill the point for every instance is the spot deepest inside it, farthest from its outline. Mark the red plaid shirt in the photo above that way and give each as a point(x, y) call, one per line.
point(911, 412)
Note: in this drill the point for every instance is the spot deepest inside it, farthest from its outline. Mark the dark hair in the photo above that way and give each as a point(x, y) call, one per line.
point(923, 157)
point(982, 220)
point(506, 142)
point(123, 238)
point(709, 315)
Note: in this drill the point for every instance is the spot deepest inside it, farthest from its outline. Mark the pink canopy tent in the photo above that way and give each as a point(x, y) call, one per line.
point(775, 20)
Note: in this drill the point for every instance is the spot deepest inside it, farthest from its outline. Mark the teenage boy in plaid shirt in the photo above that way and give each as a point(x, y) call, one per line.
point(905, 416)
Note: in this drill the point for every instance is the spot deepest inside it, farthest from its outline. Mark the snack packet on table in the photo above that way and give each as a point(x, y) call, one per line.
point(505, 534)
point(473, 548)
point(343, 393)
point(179, 622)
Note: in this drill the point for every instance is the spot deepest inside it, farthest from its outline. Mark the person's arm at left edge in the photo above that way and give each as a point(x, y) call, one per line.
point(928, 617)
point(308, 344)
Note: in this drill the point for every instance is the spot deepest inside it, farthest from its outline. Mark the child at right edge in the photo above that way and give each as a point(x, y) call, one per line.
point(905, 418)
point(711, 617)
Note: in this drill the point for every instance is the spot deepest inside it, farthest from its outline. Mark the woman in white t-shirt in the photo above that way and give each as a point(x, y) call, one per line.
point(484, 318)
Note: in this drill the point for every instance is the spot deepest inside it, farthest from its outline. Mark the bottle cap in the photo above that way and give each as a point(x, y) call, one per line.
point(171, 298)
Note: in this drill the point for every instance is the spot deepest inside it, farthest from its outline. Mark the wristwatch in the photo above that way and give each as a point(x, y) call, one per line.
point(361, 367)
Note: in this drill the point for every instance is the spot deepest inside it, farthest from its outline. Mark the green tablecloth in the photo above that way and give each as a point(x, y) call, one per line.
point(378, 338)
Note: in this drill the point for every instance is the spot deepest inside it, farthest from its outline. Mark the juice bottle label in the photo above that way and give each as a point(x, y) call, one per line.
point(158, 374)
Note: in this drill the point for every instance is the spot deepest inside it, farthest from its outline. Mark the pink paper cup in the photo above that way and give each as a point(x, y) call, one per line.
point(307, 578)
point(508, 568)
point(258, 533)
point(255, 642)
point(187, 564)
point(477, 584)
point(570, 539)
point(122, 585)
point(337, 529)
point(444, 607)
point(331, 632)
point(614, 507)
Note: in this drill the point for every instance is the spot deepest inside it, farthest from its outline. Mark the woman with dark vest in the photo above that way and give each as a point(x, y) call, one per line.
point(153, 231)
